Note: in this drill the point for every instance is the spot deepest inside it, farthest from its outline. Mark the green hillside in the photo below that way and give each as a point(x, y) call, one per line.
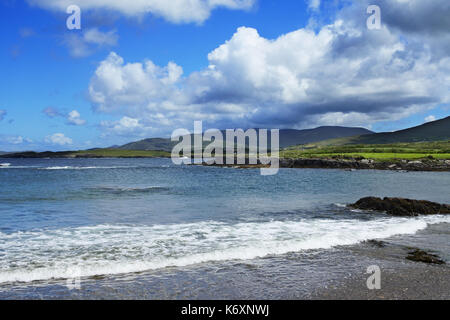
point(438, 130)
point(152, 144)
point(288, 137)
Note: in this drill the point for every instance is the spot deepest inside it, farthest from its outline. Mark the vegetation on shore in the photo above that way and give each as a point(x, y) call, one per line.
point(382, 152)
point(438, 150)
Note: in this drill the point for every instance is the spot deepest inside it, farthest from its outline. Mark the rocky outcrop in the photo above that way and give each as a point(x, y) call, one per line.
point(422, 256)
point(323, 163)
point(401, 207)
point(360, 164)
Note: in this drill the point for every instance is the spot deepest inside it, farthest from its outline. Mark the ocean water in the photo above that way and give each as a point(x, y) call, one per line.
point(125, 219)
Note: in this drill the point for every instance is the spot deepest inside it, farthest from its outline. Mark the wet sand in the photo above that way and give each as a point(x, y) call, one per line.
point(401, 279)
point(406, 282)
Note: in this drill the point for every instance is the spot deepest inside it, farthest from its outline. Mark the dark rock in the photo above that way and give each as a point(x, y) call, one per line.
point(286, 163)
point(422, 256)
point(376, 243)
point(347, 162)
point(401, 207)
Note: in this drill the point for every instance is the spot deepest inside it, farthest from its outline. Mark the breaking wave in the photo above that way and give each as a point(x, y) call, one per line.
point(117, 249)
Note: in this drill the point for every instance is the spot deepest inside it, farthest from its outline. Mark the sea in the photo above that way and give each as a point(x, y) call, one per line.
point(150, 229)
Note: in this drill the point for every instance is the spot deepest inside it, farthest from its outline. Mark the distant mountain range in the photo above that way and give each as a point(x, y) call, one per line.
point(288, 137)
point(432, 131)
point(291, 137)
point(438, 130)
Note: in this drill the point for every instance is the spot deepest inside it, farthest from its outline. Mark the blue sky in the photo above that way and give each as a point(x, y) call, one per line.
point(50, 75)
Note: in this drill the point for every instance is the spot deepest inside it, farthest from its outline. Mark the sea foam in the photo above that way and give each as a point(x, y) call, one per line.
point(117, 249)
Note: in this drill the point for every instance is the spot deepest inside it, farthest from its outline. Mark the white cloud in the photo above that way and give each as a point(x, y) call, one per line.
point(84, 44)
point(98, 37)
point(16, 140)
point(342, 74)
point(74, 118)
point(124, 126)
point(177, 11)
point(314, 4)
point(58, 139)
point(430, 118)
point(116, 84)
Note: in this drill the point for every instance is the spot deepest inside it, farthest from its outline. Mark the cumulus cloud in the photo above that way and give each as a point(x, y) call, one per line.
point(430, 118)
point(342, 73)
point(2, 114)
point(125, 126)
point(15, 140)
point(87, 42)
point(58, 139)
point(314, 4)
point(116, 85)
point(98, 37)
point(176, 11)
point(74, 118)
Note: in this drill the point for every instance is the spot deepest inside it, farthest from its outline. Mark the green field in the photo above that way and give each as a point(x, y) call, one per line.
point(408, 151)
point(396, 151)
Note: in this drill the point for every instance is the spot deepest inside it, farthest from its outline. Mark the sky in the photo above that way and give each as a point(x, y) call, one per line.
point(145, 68)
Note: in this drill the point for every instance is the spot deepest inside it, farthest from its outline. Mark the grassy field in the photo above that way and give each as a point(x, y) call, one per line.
point(408, 151)
point(122, 153)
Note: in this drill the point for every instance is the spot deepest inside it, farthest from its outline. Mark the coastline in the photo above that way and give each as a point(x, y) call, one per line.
point(400, 280)
point(338, 273)
point(351, 164)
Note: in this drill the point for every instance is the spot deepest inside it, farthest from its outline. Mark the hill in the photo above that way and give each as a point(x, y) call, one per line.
point(288, 137)
point(438, 130)
point(152, 144)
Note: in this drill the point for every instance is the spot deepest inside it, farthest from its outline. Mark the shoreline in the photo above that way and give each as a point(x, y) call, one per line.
point(401, 282)
point(350, 164)
point(337, 273)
